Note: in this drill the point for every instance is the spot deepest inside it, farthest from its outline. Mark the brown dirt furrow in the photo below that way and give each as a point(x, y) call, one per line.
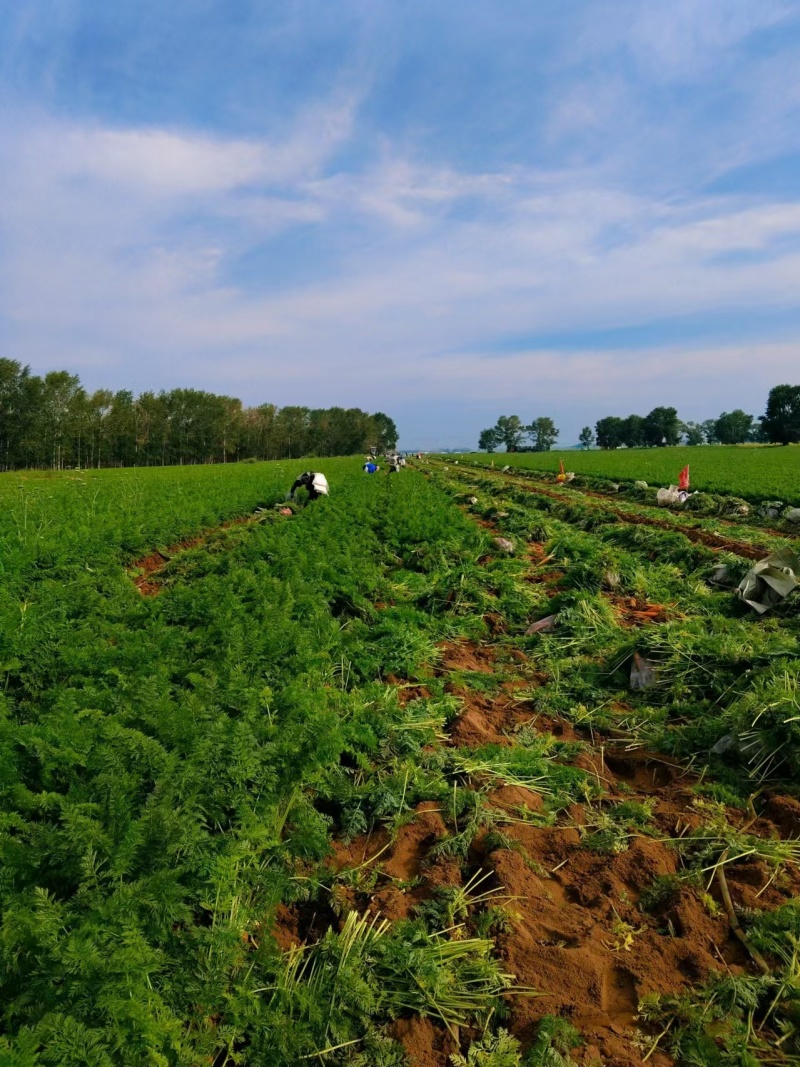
point(145, 571)
point(578, 934)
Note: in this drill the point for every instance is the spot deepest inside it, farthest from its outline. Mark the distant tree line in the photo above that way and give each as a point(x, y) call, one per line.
point(52, 421)
point(510, 431)
point(779, 425)
point(663, 427)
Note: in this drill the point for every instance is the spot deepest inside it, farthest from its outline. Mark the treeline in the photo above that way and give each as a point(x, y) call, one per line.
point(52, 421)
point(780, 424)
point(511, 432)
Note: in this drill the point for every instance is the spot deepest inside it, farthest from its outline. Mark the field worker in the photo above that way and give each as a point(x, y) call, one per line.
point(370, 467)
point(394, 463)
point(315, 483)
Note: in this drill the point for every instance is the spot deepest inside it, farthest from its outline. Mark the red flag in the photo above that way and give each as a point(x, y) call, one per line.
point(683, 478)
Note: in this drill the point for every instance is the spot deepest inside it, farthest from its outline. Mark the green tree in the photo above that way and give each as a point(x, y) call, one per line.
point(709, 428)
point(122, 429)
point(543, 434)
point(227, 426)
point(734, 427)
point(61, 399)
point(609, 431)
point(586, 437)
point(782, 419)
point(510, 431)
point(662, 427)
point(386, 432)
point(18, 396)
point(693, 433)
point(291, 431)
point(488, 440)
point(633, 432)
point(54, 422)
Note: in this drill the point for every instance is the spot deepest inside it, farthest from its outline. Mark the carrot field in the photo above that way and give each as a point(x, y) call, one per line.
point(750, 471)
point(453, 768)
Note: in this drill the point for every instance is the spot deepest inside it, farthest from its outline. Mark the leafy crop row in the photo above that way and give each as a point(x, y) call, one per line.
point(174, 767)
point(721, 671)
point(755, 473)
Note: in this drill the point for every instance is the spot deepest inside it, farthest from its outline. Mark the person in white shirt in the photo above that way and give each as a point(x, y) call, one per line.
point(315, 483)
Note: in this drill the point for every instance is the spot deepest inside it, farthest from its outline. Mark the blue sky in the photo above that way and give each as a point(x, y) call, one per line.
point(445, 210)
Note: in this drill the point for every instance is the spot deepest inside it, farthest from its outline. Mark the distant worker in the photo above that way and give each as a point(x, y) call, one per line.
point(371, 468)
point(315, 483)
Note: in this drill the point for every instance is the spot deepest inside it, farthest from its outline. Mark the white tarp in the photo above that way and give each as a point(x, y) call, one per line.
point(772, 579)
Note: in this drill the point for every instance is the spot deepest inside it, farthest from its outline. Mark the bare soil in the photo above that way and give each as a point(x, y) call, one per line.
point(146, 570)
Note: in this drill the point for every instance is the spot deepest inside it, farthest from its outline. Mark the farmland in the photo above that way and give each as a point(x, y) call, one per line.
point(756, 473)
point(366, 785)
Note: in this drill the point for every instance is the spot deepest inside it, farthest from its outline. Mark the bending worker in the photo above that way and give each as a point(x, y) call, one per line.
point(370, 468)
point(315, 483)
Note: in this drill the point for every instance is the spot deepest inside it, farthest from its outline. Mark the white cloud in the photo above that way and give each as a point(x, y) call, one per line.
point(117, 247)
point(165, 163)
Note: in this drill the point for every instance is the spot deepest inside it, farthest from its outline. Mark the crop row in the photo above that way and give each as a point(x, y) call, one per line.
point(723, 673)
point(755, 473)
point(175, 767)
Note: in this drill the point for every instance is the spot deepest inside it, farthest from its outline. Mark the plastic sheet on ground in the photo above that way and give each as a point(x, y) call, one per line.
point(672, 497)
point(721, 576)
point(643, 673)
point(770, 580)
point(542, 625)
point(771, 509)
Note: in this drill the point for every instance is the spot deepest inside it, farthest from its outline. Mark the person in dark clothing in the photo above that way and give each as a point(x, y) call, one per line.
point(313, 482)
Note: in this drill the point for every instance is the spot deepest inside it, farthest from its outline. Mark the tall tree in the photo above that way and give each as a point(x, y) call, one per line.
point(488, 440)
point(18, 396)
point(782, 419)
point(709, 428)
point(61, 399)
point(662, 427)
point(609, 431)
point(386, 430)
point(510, 431)
point(587, 437)
point(633, 432)
point(734, 427)
point(543, 433)
point(692, 433)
